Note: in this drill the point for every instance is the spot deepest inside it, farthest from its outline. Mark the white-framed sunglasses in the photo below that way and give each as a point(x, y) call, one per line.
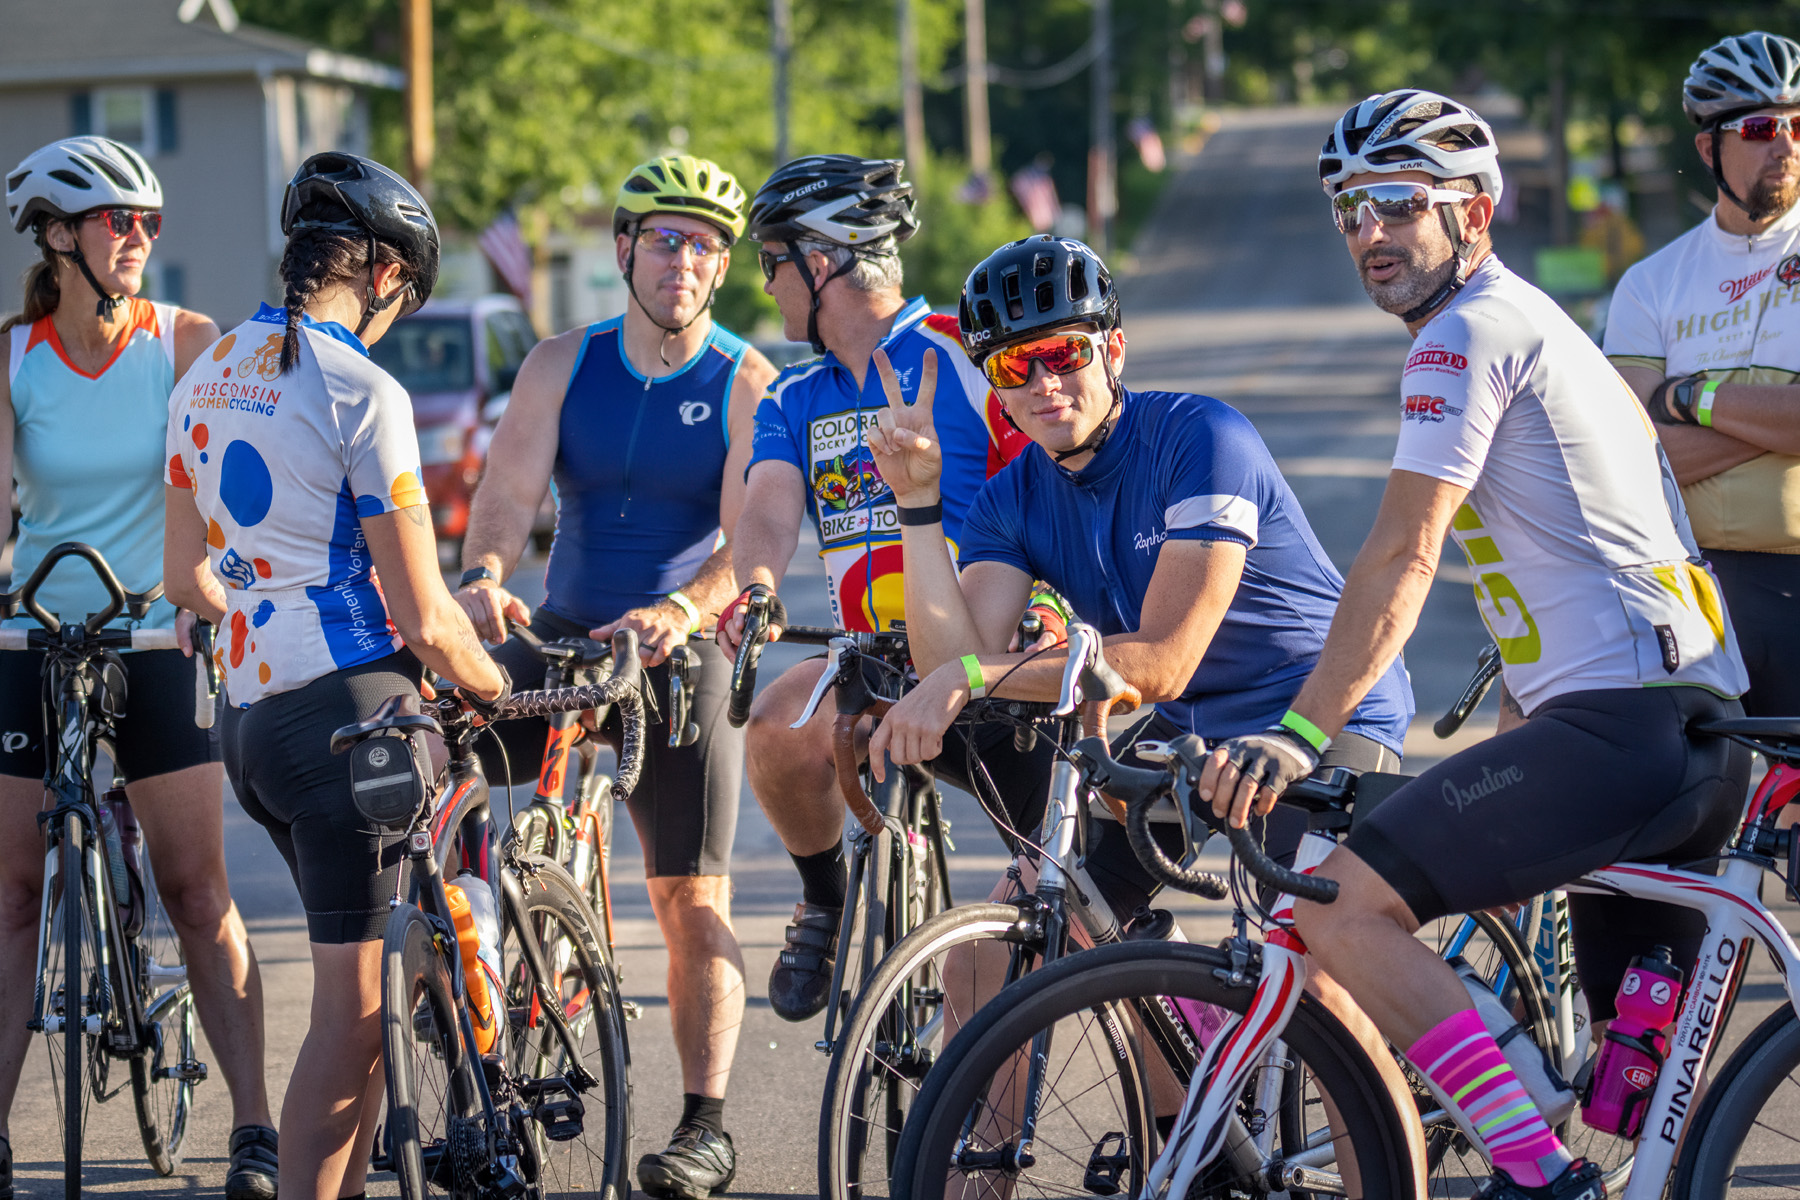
point(1389, 203)
point(1762, 127)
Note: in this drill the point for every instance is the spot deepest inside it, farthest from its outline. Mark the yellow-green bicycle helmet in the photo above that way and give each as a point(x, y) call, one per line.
point(684, 185)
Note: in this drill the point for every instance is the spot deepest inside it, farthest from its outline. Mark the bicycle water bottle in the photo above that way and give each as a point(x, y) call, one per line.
point(472, 911)
point(1203, 1020)
point(119, 831)
point(1529, 1061)
point(1635, 1044)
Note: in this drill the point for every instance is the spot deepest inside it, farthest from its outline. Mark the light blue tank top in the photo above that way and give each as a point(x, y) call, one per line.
point(88, 459)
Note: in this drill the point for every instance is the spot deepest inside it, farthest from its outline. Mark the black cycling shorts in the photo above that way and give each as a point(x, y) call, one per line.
point(278, 756)
point(685, 806)
point(1763, 593)
point(156, 736)
point(1593, 778)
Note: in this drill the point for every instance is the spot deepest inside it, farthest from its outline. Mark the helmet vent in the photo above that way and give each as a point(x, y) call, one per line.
point(1078, 284)
point(637, 183)
point(13, 181)
point(979, 284)
point(70, 178)
point(1046, 296)
point(1010, 292)
point(680, 179)
point(1043, 266)
point(985, 314)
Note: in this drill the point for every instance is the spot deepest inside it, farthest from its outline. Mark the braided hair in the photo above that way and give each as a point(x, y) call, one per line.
point(316, 260)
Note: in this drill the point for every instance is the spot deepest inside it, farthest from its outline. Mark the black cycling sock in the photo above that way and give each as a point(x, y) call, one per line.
point(705, 1111)
point(824, 879)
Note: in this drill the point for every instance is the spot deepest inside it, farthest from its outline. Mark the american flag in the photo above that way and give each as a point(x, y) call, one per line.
point(1035, 191)
point(505, 247)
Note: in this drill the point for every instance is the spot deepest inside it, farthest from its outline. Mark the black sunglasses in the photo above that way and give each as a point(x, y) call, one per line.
point(770, 261)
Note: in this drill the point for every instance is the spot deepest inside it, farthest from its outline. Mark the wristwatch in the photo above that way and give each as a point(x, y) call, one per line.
point(476, 575)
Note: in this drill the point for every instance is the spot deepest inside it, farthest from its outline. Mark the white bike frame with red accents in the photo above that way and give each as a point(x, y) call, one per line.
point(1735, 919)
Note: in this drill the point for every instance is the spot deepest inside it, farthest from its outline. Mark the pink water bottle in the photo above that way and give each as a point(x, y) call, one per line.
point(1635, 1045)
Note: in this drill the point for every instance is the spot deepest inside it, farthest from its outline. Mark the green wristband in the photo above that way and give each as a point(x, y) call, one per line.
point(977, 681)
point(1315, 737)
point(1703, 406)
point(687, 606)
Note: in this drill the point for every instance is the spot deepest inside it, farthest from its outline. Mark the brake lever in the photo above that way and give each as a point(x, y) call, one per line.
point(834, 656)
point(1084, 641)
point(683, 730)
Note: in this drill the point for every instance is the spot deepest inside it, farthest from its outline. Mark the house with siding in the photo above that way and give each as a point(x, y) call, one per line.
point(223, 111)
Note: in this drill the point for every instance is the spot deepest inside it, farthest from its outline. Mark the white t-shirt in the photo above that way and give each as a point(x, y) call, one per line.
point(1729, 306)
point(1584, 570)
point(283, 468)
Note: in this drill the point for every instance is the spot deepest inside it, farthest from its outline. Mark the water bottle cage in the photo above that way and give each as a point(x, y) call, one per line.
point(387, 780)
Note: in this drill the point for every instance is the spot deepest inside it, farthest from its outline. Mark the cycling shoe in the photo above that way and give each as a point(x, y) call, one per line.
point(1580, 1180)
point(799, 984)
point(698, 1163)
point(253, 1173)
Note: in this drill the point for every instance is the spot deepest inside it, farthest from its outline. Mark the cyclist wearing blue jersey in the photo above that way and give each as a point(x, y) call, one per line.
point(1160, 516)
point(830, 227)
point(84, 399)
point(644, 421)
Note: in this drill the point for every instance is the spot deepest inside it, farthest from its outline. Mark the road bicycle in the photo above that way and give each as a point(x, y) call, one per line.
point(921, 993)
point(959, 1141)
point(111, 982)
point(538, 1103)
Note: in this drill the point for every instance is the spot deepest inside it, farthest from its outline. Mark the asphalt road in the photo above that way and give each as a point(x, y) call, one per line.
point(1242, 291)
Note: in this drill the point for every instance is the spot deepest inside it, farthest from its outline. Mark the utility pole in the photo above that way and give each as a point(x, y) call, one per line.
point(912, 96)
point(981, 150)
point(1102, 199)
point(421, 135)
point(781, 47)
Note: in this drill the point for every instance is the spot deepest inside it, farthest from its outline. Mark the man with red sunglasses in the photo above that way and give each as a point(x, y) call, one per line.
point(1707, 332)
point(1159, 516)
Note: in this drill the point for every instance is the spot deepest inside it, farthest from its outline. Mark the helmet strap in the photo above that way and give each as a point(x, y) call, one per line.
point(1464, 251)
point(669, 331)
point(373, 305)
point(1096, 441)
point(109, 303)
point(816, 293)
point(1719, 173)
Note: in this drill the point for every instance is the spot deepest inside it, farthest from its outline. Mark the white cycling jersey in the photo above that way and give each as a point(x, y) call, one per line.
point(284, 467)
point(1729, 306)
point(1584, 568)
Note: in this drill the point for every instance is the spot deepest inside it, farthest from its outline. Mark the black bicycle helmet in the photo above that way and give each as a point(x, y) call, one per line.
point(1031, 285)
point(837, 198)
point(347, 193)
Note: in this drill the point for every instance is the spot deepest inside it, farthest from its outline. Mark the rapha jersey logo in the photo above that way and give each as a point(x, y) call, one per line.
point(1428, 408)
point(1149, 541)
point(1734, 289)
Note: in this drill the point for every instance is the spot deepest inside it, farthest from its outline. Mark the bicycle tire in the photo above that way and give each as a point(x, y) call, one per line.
point(431, 1084)
point(79, 965)
point(884, 1025)
point(555, 915)
point(1120, 974)
point(162, 1100)
point(1730, 1118)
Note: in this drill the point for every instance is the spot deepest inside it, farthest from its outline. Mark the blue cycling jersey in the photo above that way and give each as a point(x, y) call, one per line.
point(1187, 468)
point(639, 468)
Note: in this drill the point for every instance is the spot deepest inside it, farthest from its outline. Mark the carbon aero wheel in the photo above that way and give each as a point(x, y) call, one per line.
point(962, 1137)
point(581, 1148)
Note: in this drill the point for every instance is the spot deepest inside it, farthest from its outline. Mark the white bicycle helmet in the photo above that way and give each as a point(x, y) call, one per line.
point(1742, 74)
point(78, 174)
point(1411, 130)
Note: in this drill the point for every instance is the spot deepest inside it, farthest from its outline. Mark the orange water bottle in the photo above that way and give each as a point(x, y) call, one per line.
point(468, 942)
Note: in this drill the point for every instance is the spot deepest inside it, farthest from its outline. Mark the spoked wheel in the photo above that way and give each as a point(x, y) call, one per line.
point(73, 987)
point(580, 1143)
point(435, 1137)
point(1742, 1143)
point(926, 989)
point(165, 1068)
point(1094, 1133)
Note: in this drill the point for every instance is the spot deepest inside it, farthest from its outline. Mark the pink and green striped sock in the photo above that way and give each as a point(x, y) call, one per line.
point(1461, 1057)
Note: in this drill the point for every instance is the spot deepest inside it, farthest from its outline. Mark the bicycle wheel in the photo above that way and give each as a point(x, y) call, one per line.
point(1742, 1141)
point(434, 1128)
point(164, 1069)
point(580, 1149)
point(962, 1136)
point(895, 1031)
point(72, 983)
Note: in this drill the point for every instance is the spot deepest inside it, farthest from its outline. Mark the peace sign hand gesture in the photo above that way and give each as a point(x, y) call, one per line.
point(905, 442)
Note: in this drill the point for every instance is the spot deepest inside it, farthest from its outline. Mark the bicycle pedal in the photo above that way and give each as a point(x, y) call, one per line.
point(1107, 1165)
point(632, 1009)
point(554, 1106)
point(188, 1070)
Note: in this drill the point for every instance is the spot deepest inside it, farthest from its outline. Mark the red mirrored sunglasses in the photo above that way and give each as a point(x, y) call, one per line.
point(120, 221)
point(1061, 354)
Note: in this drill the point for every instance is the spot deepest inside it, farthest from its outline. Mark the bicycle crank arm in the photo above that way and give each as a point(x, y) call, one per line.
point(1291, 1177)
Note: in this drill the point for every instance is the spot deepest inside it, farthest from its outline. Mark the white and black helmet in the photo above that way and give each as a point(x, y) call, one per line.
point(840, 198)
point(1411, 130)
point(1741, 74)
point(78, 174)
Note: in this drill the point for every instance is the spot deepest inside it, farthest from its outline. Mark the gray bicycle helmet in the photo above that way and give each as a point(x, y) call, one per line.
point(73, 176)
point(1031, 285)
point(1741, 74)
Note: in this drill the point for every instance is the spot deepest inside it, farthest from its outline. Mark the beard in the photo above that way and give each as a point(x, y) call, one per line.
point(1415, 283)
point(1771, 196)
